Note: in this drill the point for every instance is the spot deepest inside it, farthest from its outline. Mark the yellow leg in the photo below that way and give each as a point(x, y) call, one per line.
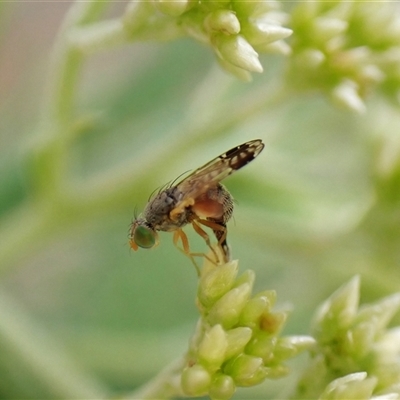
point(179, 235)
point(205, 236)
point(216, 227)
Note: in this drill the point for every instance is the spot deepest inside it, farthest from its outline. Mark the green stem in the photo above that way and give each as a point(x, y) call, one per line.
point(98, 37)
point(21, 232)
point(32, 223)
point(41, 358)
point(66, 65)
point(164, 385)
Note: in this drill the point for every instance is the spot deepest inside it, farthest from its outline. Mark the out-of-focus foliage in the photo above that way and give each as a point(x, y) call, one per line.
point(102, 104)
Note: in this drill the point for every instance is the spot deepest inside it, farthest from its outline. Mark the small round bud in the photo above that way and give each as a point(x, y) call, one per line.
point(224, 21)
point(195, 381)
point(222, 388)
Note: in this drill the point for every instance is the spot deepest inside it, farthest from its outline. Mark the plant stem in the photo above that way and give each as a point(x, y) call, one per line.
point(164, 385)
point(42, 357)
point(33, 221)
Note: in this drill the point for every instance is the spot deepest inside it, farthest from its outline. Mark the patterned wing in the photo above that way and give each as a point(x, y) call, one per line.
point(210, 174)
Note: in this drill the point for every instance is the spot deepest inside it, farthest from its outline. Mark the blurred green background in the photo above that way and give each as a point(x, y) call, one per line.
point(78, 308)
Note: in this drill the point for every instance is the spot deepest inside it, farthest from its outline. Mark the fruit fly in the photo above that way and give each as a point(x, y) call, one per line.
point(198, 199)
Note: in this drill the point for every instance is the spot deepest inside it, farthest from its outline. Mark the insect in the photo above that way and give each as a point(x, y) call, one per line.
point(198, 199)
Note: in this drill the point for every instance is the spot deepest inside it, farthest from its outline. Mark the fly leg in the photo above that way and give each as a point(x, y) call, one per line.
point(179, 235)
point(220, 232)
point(204, 235)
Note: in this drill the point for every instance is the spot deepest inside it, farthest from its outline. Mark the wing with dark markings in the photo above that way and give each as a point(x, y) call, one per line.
point(210, 174)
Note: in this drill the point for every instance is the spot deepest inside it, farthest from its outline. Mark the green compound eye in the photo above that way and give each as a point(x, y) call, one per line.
point(144, 237)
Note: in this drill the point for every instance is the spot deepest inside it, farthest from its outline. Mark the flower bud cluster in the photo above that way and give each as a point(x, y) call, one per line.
point(356, 386)
point(237, 30)
point(354, 345)
point(346, 49)
point(237, 340)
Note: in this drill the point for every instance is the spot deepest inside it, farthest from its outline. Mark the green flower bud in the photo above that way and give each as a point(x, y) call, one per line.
point(211, 5)
point(212, 348)
point(379, 313)
point(136, 13)
point(172, 8)
point(248, 276)
point(253, 8)
point(240, 73)
point(284, 350)
point(353, 59)
point(262, 30)
point(391, 59)
point(388, 394)
point(387, 348)
point(368, 338)
point(222, 388)
point(353, 386)
point(355, 41)
point(346, 95)
point(385, 363)
point(237, 340)
point(254, 309)
point(289, 346)
point(227, 309)
point(314, 378)
point(371, 74)
point(224, 21)
point(246, 370)
point(195, 380)
point(338, 312)
point(273, 322)
point(278, 371)
point(262, 345)
point(270, 295)
point(325, 28)
point(311, 58)
point(238, 51)
point(192, 23)
point(277, 47)
point(215, 282)
point(359, 340)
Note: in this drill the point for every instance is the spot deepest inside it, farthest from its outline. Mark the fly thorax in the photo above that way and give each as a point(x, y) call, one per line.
point(159, 207)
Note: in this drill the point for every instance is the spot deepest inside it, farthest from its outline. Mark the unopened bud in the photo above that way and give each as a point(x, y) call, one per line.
point(224, 21)
point(213, 347)
point(227, 309)
point(238, 51)
point(222, 388)
point(195, 381)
